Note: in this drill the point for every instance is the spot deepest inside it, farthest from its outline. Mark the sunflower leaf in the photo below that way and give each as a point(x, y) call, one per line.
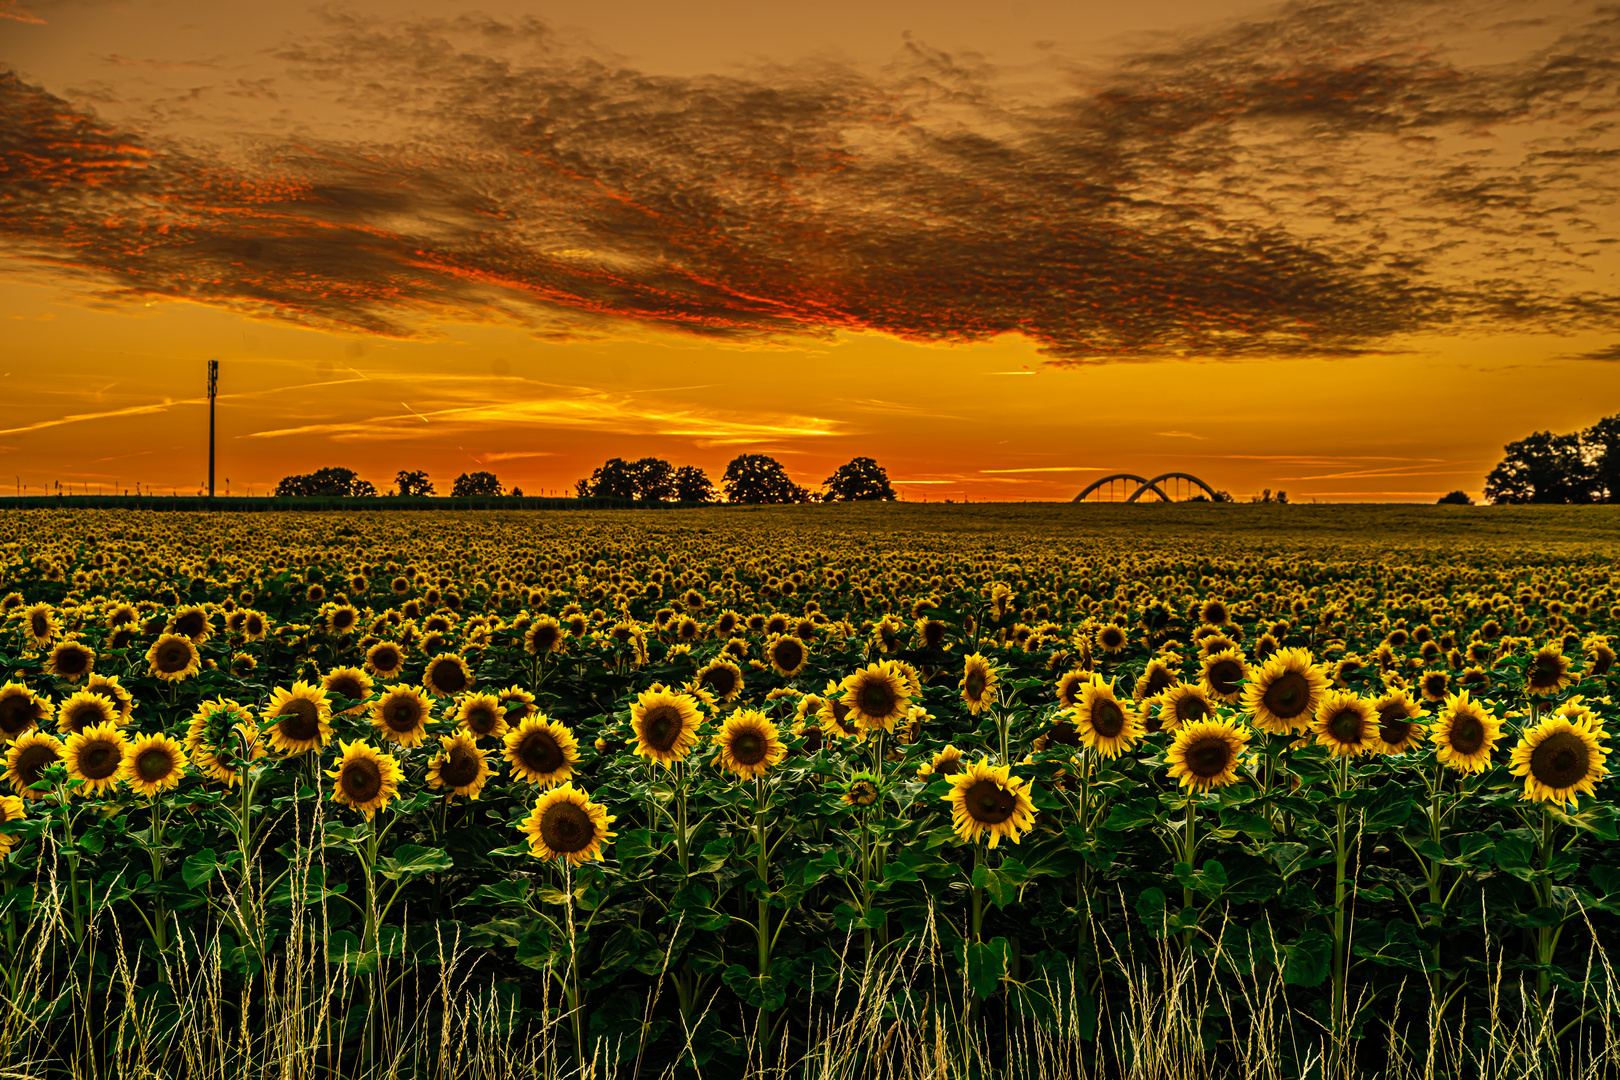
point(986, 965)
point(199, 868)
point(411, 860)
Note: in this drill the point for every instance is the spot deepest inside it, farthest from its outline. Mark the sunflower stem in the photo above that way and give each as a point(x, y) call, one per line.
point(1341, 855)
point(1546, 936)
point(1189, 839)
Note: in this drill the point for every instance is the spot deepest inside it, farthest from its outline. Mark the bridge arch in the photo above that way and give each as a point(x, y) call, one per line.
point(1146, 485)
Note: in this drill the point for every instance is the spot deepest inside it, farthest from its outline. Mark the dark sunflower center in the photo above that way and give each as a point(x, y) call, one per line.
point(1561, 760)
point(788, 654)
point(1435, 682)
point(876, 699)
point(1546, 673)
point(1345, 726)
point(863, 793)
point(82, 715)
point(1288, 695)
point(1224, 676)
point(299, 720)
point(1107, 718)
point(386, 659)
point(748, 747)
point(988, 803)
point(661, 727)
point(1157, 679)
point(975, 685)
point(191, 623)
point(813, 739)
point(460, 768)
point(360, 780)
point(1467, 734)
point(1208, 757)
point(33, 761)
point(40, 624)
point(840, 710)
point(403, 715)
point(99, 760)
point(949, 767)
point(342, 619)
point(16, 713)
point(775, 625)
point(722, 680)
point(1113, 638)
point(481, 720)
point(255, 625)
point(1190, 707)
point(566, 828)
point(933, 633)
point(448, 677)
point(1064, 734)
point(72, 661)
point(121, 638)
point(154, 765)
point(1602, 662)
point(347, 686)
point(1394, 725)
point(545, 636)
point(540, 753)
point(173, 657)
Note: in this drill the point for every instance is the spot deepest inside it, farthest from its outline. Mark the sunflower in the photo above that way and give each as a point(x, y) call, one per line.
point(565, 824)
point(787, 654)
point(1465, 734)
point(350, 683)
point(153, 764)
point(401, 716)
point(1068, 687)
point(516, 704)
point(459, 765)
point(86, 710)
point(40, 626)
point(385, 660)
point(665, 724)
point(1435, 685)
point(1156, 678)
point(1106, 724)
point(1111, 639)
point(1285, 693)
point(876, 696)
point(862, 790)
point(748, 744)
point(1599, 656)
point(541, 751)
point(1345, 724)
point(481, 716)
point(71, 660)
point(987, 798)
point(366, 779)
point(720, 678)
point(1205, 754)
point(1184, 703)
point(173, 658)
point(222, 740)
point(11, 809)
point(811, 737)
point(978, 683)
point(1558, 760)
point(947, 762)
point(21, 710)
point(299, 720)
point(1223, 675)
point(1548, 672)
point(190, 621)
point(94, 756)
point(1400, 723)
point(255, 627)
point(1062, 732)
point(26, 761)
point(447, 675)
point(341, 618)
point(835, 715)
point(1348, 669)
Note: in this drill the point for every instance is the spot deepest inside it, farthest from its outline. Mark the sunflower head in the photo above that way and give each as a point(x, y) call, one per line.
point(1107, 725)
point(71, 660)
point(748, 744)
point(11, 809)
point(1185, 703)
point(1223, 675)
point(366, 779)
point(85, 710)
point(1283, 697)
point(1465, 733)
point(1399, 721)
point(401, 716)
point(94, 757)
point(1345, 723)
point(978, 683)
point(21, 710)
point(988, 800)
point(1205, 754)
point(1548, 671)
point(460, 766)
point(787, 654)
point(447, 675)
point(541, 751)
point(481, 716)
point(350, 683)
point(174, 658)
point(721, 679)
point(385, 660)
point(664, 724)
point(153, 764)
point(566, 824)
point(299, 719)
point(29, 755)
point(948, 762)
point(877, 696)
point(862, 790)
point(1559, 760)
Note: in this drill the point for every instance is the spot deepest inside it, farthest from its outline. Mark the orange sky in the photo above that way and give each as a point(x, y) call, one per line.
point(1107, 242)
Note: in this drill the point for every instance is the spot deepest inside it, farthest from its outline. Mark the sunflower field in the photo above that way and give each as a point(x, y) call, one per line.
point(809, 793)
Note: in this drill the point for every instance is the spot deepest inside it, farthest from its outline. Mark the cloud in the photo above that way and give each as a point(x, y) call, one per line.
point(1180, 435)
point(1611, 354)
point(13, 9)
point(1319, 182)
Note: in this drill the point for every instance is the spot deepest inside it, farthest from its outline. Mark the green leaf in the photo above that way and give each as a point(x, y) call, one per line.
point(411, 860)
point(1150, 908)
point(1597, 819)
point(1309, 960)
point(986, 965)
point(1001, 888)
point(199, 868)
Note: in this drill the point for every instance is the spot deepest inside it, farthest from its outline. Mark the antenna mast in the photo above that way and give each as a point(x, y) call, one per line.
point(213, 391)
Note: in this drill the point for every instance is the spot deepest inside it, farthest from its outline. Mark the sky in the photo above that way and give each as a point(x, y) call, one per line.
point(1347, 250)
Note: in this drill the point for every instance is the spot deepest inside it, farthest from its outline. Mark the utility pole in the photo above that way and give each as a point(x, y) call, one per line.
point(213, 391)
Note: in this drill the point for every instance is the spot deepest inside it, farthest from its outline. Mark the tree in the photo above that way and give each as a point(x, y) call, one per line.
point(654, 479)
point(614, 480)
point(1542, 468)
point(757, 478)
point(330, 481)
point(1454, 498)
point(1600, 445)
point(478, 483)
point(692, 484)
point(413, 484)
point(861, 480)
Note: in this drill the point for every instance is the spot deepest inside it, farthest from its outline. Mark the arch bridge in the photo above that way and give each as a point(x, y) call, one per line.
point(1169, 487)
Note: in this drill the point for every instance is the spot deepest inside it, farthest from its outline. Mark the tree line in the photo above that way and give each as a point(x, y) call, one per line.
point(1580, 467)
point(346, 484)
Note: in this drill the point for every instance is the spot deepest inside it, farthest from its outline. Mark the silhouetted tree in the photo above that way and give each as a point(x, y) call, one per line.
point(757, 478)
point(654, 478)
point(862, 479)
point(413, 484)
point(614, 480)
point(692, 484)
point(478, 483)
point(1454, 498)
point(1543, 468)
point(330, 481)
point(1600, 444)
